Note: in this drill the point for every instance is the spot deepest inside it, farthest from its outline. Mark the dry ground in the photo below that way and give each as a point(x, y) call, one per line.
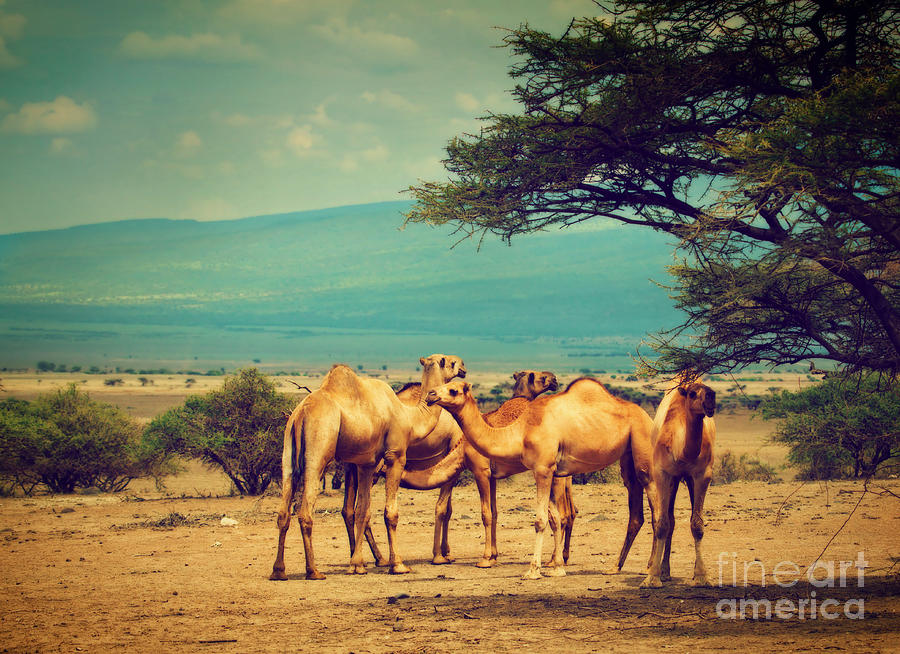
point(151, 570)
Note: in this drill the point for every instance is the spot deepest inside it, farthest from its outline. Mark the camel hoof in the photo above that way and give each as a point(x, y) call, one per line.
point(441, 560)
point(277, 575)
point(485, 563)
point(651, 582)
point(533, 573)
point(611, 570)
point(700, 582)
point(400, 569)
point(355, 569)
point(315, 575)
point(555, 571)
point(381, 563)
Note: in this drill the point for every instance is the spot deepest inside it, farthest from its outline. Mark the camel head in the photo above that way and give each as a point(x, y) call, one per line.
point(450, 366)
point(700, 398)
point(451, 396)
point(530, 383)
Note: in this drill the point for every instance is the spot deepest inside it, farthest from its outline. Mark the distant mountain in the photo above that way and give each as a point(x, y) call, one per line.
point(346, 267)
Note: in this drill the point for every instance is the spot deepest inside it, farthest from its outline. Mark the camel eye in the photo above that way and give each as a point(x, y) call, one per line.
point(453, 392)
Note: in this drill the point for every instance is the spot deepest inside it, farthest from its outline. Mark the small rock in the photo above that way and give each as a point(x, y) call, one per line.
point(216, 544)
point(228, 522)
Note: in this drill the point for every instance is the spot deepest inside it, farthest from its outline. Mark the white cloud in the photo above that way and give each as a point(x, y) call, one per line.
point(351, 37)
point(61, 145)
point(11, 25)
point(188, 144)
point(203, 47)
point(236, 120)
point(300, 140)
point(467, 102)
point(61, 116)
point(390, 100)
point(473, 104)
point(320, 117)
point(376, 154)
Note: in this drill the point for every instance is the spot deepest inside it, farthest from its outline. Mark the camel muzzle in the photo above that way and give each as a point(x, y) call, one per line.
point(431, 398)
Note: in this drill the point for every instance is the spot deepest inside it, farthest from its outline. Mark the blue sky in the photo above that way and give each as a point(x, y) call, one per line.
point(117, 109)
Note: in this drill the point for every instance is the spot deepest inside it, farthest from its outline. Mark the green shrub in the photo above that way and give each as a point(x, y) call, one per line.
point(65, 440)
point(730, 468)
point(843, 427)
point(238, 428)
point(609, 475)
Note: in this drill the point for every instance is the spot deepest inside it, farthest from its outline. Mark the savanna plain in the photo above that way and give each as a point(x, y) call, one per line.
point(154, 569)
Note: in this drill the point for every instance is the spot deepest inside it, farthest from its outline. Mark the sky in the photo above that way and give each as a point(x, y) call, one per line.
point(209, 110)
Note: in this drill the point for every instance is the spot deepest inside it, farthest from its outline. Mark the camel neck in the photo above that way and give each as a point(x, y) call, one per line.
point(426, 417)
point(492, 442)
point(693, 436)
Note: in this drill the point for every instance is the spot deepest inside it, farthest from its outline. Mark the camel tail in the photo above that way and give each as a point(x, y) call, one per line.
point(294, 445)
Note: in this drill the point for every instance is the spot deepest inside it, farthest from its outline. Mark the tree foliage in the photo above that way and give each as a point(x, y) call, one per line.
point(765, 136)
point(237, 428)
point(65, 440)
point(843, 427)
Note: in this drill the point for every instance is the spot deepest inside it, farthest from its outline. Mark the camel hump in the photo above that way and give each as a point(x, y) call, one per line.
point(412, 391)
point(508, 412)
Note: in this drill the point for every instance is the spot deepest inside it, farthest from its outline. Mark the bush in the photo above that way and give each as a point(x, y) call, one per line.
point(65, 441)
point(729, 468)
point(608, 475)
point(843, 427)
point(238, 428)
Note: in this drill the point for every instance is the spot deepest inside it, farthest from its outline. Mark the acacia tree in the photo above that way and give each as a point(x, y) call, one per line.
point(238, 428)
point(764, 135)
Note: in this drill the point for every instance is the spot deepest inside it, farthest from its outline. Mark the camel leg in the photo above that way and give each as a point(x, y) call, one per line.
point(283, 521)
point(568, 518)
point(667, 486)
point(543, 478)
point(348, 512)
point(484, 482)
point(635, 506)
point(312, 475)
point(394, 462)
point(557, 566)
point(698, 487)
point(669, 508)
point(440, 551)
point(495, 552)
point(364, 475)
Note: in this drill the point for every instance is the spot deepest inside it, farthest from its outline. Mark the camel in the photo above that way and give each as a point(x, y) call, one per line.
point(683, 436)
point(437, 460)
point(356, 420)
point(583, 429)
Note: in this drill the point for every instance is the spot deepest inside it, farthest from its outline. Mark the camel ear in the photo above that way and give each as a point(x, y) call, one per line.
point(466, 387)
point(421, 361)
point(682, 391)
point(517, 375)
point(531, 378)
point(443, 362)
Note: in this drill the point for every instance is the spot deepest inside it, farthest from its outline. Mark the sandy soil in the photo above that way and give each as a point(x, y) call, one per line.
point(154, 570)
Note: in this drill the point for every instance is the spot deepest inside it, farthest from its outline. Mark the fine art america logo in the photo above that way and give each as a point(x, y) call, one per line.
point(821, 575)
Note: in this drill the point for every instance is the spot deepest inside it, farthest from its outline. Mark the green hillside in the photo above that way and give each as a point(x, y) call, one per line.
point(347, 267)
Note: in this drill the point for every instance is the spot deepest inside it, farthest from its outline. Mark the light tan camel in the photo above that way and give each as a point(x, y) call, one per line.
point(355, 420)
point(583, 429)
point(684, 434)
point(437, 460)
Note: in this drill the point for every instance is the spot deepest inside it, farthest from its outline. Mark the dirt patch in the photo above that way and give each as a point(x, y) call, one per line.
point(120, 573)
